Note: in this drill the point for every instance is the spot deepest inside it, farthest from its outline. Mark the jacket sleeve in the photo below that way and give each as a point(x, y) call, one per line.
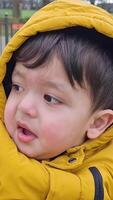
point(20, 178)
point(92, 183)
point(73, 186)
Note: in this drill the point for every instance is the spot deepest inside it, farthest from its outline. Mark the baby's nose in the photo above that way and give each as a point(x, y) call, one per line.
point(28, 105)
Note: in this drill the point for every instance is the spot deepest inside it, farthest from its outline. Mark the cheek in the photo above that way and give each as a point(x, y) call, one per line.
point(8, 115)
point(54, 132)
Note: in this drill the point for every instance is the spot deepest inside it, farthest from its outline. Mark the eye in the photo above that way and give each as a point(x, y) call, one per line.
point(51, 100)
point(17, 88)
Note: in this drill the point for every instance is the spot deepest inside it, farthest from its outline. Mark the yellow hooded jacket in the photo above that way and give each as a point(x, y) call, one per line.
point(82, 173)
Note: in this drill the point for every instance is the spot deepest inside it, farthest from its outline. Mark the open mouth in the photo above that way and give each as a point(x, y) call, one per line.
point(25, 135)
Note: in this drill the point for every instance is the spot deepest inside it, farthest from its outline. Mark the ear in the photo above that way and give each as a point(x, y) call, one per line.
point(100, 121)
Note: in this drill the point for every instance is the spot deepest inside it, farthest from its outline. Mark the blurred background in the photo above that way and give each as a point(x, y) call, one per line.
point(14, 13)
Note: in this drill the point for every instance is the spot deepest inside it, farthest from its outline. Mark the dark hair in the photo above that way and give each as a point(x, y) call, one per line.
point(86, 56)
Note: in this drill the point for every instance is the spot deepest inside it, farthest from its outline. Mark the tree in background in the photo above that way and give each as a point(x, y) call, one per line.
point(99, 1)
point(92, 1)
point(16, 9)
point(43, 2)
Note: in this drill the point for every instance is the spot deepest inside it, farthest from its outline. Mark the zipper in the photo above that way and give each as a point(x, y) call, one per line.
point(99, 190)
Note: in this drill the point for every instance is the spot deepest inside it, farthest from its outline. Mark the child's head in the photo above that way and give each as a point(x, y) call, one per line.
point(61, 91)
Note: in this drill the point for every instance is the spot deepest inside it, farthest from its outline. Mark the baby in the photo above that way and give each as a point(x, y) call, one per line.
point(59, 107)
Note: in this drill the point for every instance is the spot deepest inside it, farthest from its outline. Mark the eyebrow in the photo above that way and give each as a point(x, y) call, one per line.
point(58, 86)
point(55, 85)
point(18, 73)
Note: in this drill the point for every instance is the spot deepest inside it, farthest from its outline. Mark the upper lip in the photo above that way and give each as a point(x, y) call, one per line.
point(23, 125)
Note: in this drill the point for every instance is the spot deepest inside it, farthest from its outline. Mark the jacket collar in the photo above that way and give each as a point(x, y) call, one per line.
point(73, 158)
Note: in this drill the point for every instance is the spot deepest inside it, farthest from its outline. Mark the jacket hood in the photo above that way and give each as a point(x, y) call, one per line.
point(58, 15)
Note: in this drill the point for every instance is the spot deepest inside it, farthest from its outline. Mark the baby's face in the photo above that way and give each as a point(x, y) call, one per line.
point(44, 114)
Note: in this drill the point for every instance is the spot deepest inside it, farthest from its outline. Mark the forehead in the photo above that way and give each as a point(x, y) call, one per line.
point(52, 69)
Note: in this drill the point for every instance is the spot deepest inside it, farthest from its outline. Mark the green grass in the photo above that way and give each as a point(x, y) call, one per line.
point(25, 14)
point(5, 11)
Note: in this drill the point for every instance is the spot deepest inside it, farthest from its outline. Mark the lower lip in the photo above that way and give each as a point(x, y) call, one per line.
point(25, 138)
